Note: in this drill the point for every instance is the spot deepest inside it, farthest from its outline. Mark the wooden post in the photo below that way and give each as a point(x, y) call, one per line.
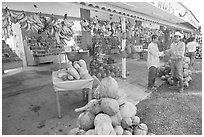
point(123, 48)
point(86, 36)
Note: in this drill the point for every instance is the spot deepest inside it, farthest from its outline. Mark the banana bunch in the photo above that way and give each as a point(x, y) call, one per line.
point(7, 31)
point(63, 31)
point(6, 24)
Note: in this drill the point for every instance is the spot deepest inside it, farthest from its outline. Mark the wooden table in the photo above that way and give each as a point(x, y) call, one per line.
point(65, 86)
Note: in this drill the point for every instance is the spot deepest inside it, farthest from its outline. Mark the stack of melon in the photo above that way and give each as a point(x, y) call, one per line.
point(198, 53)
point(74, 71)
point(102, 69)
point(165, 72)
point(108, 113)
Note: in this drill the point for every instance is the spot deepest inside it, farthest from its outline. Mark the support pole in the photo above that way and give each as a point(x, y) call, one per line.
point(123, 48)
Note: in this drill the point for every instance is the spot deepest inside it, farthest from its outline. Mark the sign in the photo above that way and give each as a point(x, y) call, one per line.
point(175, 8)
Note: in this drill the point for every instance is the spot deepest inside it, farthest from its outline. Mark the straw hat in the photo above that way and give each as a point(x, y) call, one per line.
point(177, 33)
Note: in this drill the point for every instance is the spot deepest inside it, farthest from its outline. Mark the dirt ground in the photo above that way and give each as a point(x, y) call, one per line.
point(29, 105)
point(168, 112)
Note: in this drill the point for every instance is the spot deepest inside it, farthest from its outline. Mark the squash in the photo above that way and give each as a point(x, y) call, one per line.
point(85, 120)
point(84, 73)
point(138, 131)
point(90, 132)
point(82, 63)
point(135, 120)
point(103, 125)
point(104, 129)
point(128, 110)
point(93, 107)
point(69, 64)
point(76, 65)
point(141, 129)
point(102, 118)
point(116, 119)
point(118, 130)
point(74, 73)
point(109, 88)
point(70, 77)
point(109, 106)
point(126, 122)
point(76, 131)
point(127, 132)
point(143, 126)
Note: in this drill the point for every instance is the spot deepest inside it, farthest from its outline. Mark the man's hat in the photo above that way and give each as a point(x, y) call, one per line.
point(177, 33)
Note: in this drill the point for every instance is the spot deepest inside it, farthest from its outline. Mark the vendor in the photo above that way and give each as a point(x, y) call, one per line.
point(176, 52)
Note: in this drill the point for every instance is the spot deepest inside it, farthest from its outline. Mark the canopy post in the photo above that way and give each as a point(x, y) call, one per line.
point(123, 48)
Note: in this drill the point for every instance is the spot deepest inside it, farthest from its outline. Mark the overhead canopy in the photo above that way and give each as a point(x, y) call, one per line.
point(138, 11)
point(142, 11)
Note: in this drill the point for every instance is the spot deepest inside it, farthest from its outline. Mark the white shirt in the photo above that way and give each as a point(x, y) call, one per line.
point(177, 49)
point(153, 55)
point(191, 46)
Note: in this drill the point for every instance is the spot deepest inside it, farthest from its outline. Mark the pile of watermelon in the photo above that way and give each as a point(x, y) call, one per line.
point(102, 69)
point(164, 72)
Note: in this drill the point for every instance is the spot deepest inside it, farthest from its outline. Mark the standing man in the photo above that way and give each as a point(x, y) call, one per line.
point(191, 50)
point(176, 52)
point(153, 62)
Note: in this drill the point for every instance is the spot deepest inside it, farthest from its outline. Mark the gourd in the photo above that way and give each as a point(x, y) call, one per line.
point(126, 122)
point(90, 132)
point(82, 63)
point(103, 126)
point(69, 64)
point(118, 130)
point(76, 65)
point(85, 120)
point(135, 120)
point(62, 74)
point(93, 107)
point(141, 129)
point(127, 132)
point(84, 73)
point(116, 119)
point(109, 106)
point(74, 73)
point(76, 131)
point(70, 77)
point(109, 88)
point(128, 110)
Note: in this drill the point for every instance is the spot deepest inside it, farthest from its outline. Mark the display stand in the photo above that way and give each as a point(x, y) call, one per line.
point(65, 86)
point(84, 84)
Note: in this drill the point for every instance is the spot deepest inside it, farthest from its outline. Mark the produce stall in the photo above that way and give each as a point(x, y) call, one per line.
point(44, 35)
point(109, 113)
point(63, 86)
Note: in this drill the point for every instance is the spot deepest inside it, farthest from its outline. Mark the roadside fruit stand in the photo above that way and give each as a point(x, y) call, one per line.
point(88, 66)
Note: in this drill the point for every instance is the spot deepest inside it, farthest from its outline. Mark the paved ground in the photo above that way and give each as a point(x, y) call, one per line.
point(29, 103)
